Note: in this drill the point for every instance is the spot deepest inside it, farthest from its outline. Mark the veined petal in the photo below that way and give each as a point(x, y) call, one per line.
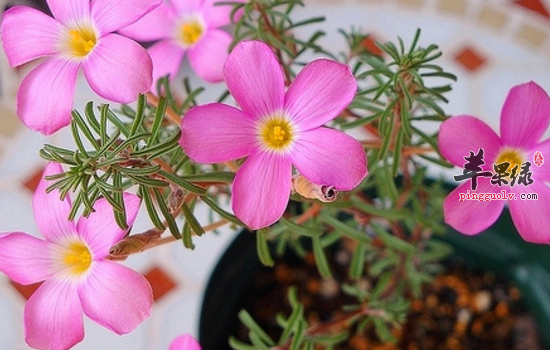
point(525, 116)
point(261, 189)
point(118, 69)
point(209, 54)
point(69, 12)
point(45, 97)
point(217, 15)
point(319, 93)
point(24, 258)
point(166, 56)
point(542, 172)
point(531, 216)
point(110, 15)
point(330, 157)
point(53, 316)
point(100, 230)
point(461, 134)
point(215, 132)
point(255, 78)
point(116, 297)
point(470, 217)
point(28, 34)
point(186, 7)
point(50, 212)
point(157, 24)
point(184, 342)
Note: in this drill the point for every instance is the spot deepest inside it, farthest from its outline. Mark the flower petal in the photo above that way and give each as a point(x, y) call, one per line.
point(461, 134)
point(185, 342)
point(531, 216)
point(53, 316)
point(45, 97)
point(110, 15)
point(116, 297)
point(28, 34)
point(261, 189)
point(525, 116)
point(209, 54)
point(70, 11)
point(50, 212)
point(215, 132)
point(470, 217)
point(218, 15)
point(100, 230)
point(186, 7)
point(255, 78)
point(166, 56)
point(118, 69)
point(24, 258)
point(319, 93)
point(330, 157)
point(157, 24)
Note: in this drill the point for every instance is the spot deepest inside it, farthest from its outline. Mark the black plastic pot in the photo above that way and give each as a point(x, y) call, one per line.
point(499, 249)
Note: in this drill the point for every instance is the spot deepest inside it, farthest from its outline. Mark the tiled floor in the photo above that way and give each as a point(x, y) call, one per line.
point(490, 44)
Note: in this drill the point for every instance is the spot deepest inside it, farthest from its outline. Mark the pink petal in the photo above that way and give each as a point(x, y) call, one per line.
point(28, 34)
point(330, 157)
point(68, 12)
point(215, 132)
point(53, 316)
point(116, 297)
point(218, 15)
point(461, 134)
point(167, 57)
point(208, 55)
point(100, 230)
point(50, 212)
point(24, 258)
point(45, 97)
point(470, 217)
point(542, 173)
point(110, 15)
point(185, 7)
point(261, 189)
point(184, 342)
point(525, 116)
point(157, 24)
point(531, 216)
point(319, 93)
point(118, 69)
point(255, 78)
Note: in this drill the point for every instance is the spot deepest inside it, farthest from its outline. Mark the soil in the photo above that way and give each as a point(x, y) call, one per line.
point(460, 310)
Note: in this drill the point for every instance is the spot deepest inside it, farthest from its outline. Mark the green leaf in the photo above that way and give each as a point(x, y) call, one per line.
point(302, 230)
point(345, 229)
point(320, 258)
point(262, 248)
point(192, 220)
point(151, 210)
point(358, 261)
point(249, 322)
point(166, 213)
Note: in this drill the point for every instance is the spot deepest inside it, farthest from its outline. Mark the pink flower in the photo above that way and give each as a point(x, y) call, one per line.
point(79, 35)
point(185, 26)
point(78, 278)
point(276, 130)
point(184, 342)
point(525, 117)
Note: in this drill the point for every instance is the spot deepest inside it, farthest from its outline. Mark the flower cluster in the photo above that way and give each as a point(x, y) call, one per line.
point(282, 139)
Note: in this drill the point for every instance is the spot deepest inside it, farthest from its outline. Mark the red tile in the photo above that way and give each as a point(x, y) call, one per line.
point(534, 5)
point(25, 290)
point(160, 281)
point(31, 183)
point(470, 59)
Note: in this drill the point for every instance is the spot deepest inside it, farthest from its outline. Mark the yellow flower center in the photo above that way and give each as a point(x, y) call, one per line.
point(191, 32)
point(77, 258)
point(276, 133)
point(82, 41)
point(512, 156)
